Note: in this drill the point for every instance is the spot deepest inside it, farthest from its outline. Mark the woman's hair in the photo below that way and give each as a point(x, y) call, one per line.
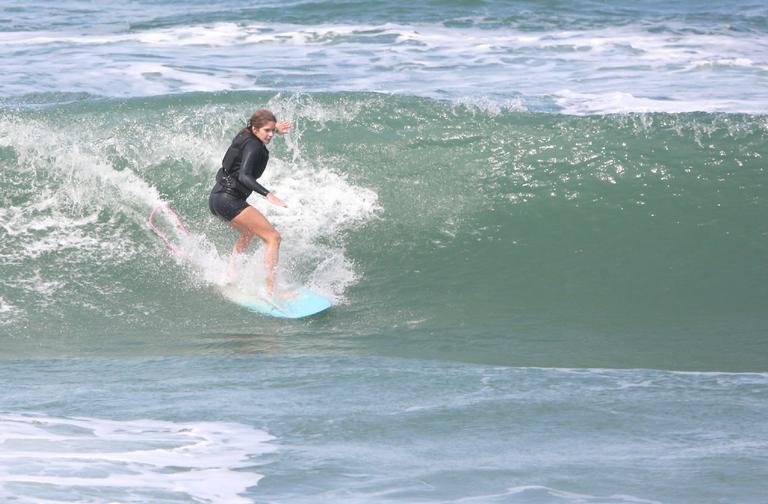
point(259, 119)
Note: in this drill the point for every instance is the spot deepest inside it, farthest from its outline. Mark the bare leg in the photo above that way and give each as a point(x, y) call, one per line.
point(241, 245)
point(250, 222)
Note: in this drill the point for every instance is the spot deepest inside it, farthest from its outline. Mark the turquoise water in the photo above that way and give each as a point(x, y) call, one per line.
point(542, 226)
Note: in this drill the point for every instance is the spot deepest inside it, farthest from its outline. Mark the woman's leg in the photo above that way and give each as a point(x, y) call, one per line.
point(250, 222)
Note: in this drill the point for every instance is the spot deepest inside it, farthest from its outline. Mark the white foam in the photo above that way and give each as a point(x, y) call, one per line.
point(63, 214)
point(154, 78)
point(44, 458)
point(8, 312)
point(691, 70)
point(322, 203)
point(209, 34)
point(37, 151)
point(576, 103)
point(539, 493)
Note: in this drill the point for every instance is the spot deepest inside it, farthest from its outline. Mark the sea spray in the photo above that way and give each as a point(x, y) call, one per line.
point(89, 177)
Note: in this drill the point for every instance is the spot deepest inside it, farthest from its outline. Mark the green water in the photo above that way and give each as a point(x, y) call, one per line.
point(474, 234)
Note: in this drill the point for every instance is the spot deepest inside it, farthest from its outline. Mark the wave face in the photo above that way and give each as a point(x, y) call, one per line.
point(445, 230)
point(582, 57)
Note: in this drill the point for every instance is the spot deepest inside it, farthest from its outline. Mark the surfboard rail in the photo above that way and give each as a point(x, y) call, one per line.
point(303, 303)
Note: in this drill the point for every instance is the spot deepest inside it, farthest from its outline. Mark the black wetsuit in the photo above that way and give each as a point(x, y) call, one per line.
point(243, 164)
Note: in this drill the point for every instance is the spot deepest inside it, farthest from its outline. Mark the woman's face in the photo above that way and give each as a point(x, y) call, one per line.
point(265, 132)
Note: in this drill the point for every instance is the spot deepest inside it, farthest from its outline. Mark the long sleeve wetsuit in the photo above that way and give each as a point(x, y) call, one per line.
point(243, 164)
point(237, 178)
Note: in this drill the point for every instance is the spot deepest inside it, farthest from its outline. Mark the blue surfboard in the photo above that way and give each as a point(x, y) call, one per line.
point(304, 304)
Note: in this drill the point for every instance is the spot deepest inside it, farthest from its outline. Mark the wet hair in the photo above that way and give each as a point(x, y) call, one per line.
point(259, 119)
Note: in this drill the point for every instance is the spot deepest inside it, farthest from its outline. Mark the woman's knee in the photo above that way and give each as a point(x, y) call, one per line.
point(272, 237)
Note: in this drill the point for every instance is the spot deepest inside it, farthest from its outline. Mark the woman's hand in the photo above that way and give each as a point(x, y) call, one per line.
point(275, 200)
point(282, 127)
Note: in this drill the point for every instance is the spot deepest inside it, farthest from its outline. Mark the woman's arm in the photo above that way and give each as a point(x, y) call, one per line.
point(252, 166)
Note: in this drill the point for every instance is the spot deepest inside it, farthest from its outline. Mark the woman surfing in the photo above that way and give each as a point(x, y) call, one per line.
point(244, 162)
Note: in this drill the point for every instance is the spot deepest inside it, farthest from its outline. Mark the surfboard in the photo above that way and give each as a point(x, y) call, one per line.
point(305, 303)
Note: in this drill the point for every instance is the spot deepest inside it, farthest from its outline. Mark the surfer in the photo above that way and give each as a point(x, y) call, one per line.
point(244, 162)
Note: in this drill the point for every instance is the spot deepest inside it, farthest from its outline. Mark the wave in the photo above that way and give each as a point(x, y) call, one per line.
point(414, 214)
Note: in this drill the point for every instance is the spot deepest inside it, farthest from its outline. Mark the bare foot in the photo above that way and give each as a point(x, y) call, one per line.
point(277, 294)
point(289, 294)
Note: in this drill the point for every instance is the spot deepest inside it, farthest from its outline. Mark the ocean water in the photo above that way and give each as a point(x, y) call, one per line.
point(542, 224)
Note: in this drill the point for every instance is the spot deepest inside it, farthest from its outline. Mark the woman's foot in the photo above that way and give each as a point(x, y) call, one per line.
point(288, 294)
point(279, 295)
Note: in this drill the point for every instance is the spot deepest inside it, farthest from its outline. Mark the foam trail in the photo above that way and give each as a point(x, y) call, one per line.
point(545, 494)
point(45, 458)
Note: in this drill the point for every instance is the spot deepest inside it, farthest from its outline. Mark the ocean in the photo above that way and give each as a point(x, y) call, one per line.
point(542, 225)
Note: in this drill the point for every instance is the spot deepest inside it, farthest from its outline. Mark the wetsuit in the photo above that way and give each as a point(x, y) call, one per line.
point(243, 164)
